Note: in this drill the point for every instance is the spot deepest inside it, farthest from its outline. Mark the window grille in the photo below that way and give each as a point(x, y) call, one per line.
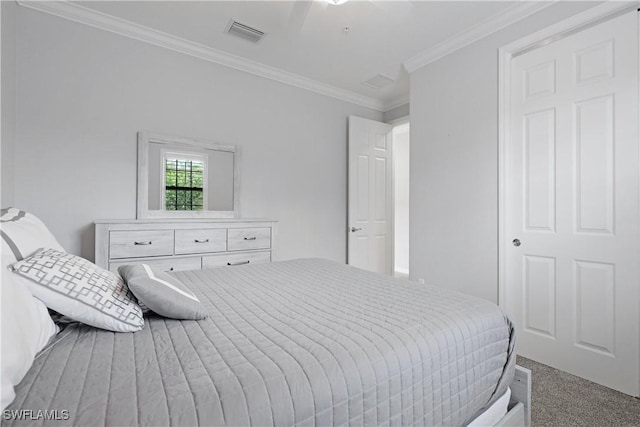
point(184, 184)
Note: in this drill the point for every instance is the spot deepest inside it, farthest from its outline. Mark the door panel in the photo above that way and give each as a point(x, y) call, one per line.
point(540, 297)
point(540, 170)
point(571, 192)
point(361, 191)
point(595, 310)
point(595, 166)
point(381, 198)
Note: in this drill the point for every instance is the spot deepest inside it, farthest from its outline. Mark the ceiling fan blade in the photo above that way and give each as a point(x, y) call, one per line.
point(299, 14)
point(388, 4)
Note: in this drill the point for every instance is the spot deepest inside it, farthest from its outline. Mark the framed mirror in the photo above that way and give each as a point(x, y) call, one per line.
point(186, 178)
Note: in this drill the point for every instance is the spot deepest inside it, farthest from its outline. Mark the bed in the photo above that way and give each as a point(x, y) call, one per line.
point(301, 342)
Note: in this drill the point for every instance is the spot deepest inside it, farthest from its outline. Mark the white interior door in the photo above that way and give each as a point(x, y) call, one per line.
point(571, 198)
point(370, 241)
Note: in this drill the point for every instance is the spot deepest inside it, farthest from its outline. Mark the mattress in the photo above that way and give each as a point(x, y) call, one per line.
point(302, 342)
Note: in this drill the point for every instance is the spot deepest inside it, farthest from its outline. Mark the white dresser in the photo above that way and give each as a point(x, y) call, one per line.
point(183, 244)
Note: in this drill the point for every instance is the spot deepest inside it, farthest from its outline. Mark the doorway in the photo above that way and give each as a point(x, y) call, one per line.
point(378, 196)
point(400, 136)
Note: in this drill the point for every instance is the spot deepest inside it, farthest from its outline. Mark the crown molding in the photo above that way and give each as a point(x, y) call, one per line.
point(395, 103)
point(103, 21)
point(515, 13)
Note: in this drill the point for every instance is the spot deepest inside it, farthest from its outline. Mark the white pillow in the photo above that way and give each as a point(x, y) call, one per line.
point(25, 328)
point(22, 234)
point(81, 290)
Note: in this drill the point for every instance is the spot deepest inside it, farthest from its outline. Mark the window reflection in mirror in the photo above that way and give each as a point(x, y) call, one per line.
point(185, 181)
point(183, 178)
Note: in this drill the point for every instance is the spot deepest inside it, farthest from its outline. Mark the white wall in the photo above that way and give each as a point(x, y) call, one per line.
point(454, 161)
point(84, 93)
point(7, 148)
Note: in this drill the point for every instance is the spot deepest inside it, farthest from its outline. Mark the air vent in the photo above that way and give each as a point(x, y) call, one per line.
point(244, 31)
point(378, 82)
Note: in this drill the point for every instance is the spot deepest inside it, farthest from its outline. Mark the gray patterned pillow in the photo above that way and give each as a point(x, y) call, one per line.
point(81, 290)
point(162, 293)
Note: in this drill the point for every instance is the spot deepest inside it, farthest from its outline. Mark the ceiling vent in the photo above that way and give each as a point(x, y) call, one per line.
point(244, 31)
point(378, 82)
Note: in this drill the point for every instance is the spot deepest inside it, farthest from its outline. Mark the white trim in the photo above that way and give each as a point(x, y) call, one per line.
point(561, 29)
point(103, 21)
point(513, 14)
point(504, 107)
point(505, 55)
point(638, 88)
point(399, 121)
point(639, 97)
point(399, 102)
point(403, 100)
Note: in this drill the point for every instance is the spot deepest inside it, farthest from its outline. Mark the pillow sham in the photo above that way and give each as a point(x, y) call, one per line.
point(25, 328)
point(22, 234)
point(81, 290)
point(163, 294)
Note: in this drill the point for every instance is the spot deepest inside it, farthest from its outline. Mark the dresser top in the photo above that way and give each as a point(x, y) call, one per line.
point(182, 220)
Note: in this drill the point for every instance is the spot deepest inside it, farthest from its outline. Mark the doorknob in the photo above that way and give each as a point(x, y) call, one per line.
point(354, 229)
point(516, 242)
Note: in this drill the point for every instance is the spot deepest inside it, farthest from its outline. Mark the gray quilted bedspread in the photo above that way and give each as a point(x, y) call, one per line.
point(303, 342)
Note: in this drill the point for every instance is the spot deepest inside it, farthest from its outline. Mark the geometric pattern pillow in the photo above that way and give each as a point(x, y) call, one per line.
point(81, 290)
point(163, 294)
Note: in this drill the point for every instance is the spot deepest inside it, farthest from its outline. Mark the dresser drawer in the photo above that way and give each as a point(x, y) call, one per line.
point(132, 244)
point(242, 239)
point(164, 264)
point(200, 241)
point(226, 260)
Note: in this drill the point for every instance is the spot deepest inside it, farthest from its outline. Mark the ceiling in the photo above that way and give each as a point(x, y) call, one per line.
point(308, 38)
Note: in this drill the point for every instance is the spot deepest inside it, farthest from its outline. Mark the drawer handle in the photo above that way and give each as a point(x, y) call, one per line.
point(202, 240)
point(250, 238)
point(171, 269)
point(142, 243)
point(238, 263)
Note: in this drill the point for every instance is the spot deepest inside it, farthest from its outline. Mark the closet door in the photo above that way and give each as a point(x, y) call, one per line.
point(571, 191)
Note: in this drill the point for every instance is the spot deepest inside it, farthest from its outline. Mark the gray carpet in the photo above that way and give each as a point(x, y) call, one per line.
point(561, 399)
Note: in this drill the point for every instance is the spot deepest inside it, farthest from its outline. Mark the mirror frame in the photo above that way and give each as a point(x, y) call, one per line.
point(143, 212)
